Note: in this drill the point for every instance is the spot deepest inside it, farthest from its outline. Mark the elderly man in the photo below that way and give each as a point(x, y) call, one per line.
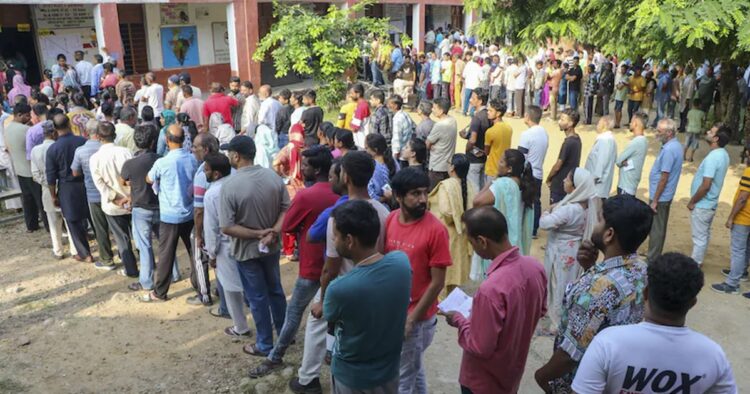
point(125, 130)
point(153, 95)
point(662, 184)
point(269, 107)
point(106, 167)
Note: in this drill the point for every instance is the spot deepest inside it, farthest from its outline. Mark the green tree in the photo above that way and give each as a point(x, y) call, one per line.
point(675, 30)
point(322, 46)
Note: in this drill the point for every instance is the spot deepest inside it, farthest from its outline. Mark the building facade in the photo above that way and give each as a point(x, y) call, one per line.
point(211, 39)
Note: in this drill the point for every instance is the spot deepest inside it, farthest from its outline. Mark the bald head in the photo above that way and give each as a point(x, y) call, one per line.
point(175, 137)
point(264, 91)
point(204, 144)
point(61, 123)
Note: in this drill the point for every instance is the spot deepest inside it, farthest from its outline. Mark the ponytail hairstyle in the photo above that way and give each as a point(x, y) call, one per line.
point(377, 144)
point(460, 163)
point(187, 124)
point(520, 169)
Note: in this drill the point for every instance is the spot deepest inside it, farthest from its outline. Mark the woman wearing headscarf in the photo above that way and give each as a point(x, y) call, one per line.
point(19, 87)
point(167, 119)
point(512, 193)
point(267, 145)
point(568, 223)
point(448, 201)
point(223, 131)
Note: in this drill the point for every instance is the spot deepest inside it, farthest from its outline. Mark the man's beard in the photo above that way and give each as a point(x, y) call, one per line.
point(598, 241)
point(417, 211)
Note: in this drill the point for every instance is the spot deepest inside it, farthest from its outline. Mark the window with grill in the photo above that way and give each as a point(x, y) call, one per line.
point(135, 57)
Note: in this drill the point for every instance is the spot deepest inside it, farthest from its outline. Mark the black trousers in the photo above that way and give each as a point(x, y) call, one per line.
point(169, 235)
point(121, 230)
point(537, 205)
point(79, 237)
point(86, 91)
point(588, 109)
point(31, 200)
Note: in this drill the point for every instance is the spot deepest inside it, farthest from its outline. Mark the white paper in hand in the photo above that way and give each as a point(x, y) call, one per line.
point(457, 301)
point(629, 166)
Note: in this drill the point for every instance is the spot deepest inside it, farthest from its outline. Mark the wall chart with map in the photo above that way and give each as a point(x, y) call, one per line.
point(180, 46)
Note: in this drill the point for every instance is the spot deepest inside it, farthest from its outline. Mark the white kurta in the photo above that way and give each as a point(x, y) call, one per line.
point(9, 181)
point(601, 163)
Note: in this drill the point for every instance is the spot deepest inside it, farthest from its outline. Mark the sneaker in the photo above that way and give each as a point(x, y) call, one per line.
point(746, 294)
point(725, 288)
point(726, 272)
point(103, 266)
point(215, 313)
point(311, 388)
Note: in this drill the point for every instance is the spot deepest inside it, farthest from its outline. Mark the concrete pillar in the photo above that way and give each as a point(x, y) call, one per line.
point(469, 19)
point(233, 60)
point(107, 25)
point(418, 13)
point(246, 40)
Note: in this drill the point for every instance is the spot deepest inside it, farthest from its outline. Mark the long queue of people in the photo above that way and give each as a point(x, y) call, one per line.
point(383, 217)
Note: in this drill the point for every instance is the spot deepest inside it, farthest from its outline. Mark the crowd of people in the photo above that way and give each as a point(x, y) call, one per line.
point(385, 219)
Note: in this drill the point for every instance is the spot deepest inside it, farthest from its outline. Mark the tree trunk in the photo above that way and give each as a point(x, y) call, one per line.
point(728, 107)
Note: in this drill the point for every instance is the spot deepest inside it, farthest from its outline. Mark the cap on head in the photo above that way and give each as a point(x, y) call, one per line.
point(241, 144)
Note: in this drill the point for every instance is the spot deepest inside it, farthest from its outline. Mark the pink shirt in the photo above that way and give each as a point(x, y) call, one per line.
point(221, 103)
point(504, 314)
point(194, 108)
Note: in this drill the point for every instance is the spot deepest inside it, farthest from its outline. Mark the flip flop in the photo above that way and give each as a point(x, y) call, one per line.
point(253, 350)
point(151, 297)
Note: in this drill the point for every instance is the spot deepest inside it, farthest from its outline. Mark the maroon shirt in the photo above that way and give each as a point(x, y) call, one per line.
point(221, 103)
point(504, 314)
point(308, 203)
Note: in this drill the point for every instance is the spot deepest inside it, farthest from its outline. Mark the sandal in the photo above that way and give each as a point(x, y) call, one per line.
point(151, 297)
point(215, 313)
point(231, 332)
point(253, 350)
point(265, 368)
point(135, 286)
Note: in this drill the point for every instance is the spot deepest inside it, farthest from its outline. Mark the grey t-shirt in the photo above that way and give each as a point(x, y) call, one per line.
point(424, 127)
point(347, 264)
point(252, 197)
point(443, 138)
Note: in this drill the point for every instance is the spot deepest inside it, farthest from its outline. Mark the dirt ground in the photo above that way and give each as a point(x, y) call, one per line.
point(66, 327)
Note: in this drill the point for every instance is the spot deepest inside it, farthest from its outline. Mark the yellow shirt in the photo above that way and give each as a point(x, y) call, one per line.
point(637, 85)
point(346, 113)
point(743, 216)
point(498, 139)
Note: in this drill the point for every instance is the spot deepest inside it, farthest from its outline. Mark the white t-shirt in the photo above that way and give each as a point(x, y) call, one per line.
point(535, 140)
point(347, 264)
point(650, 358)
point(155, 94)
point(472, 73)
point(520, 80)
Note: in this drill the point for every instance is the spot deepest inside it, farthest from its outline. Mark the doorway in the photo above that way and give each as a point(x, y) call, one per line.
point(17, 43)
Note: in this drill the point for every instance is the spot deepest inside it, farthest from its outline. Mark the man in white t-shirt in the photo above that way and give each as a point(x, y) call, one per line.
point(533, 144)
point(471, 75)
point(519, 88)
point(154, 94)
point(659, 355)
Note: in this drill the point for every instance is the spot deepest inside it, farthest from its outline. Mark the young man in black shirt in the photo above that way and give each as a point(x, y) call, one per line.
point(475, 135)
point(569, 158)
point(573, 78)
point(284, 117)
point(311, 118)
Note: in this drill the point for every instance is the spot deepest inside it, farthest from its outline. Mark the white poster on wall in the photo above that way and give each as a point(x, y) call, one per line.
point(63, 16)
point(221, 42)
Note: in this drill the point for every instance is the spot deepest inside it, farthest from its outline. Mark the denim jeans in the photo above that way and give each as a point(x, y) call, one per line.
point(261, 282)
point(467, 96)
point(411, 372)
point(283, 140)
point(573, 99)
point(303, 293)
point(633, 107)
point(538, 97)
point(146, 224)
point(377, 75)
point(661, 111)
point(738, 248)
point(700, 223)
point(476, 175)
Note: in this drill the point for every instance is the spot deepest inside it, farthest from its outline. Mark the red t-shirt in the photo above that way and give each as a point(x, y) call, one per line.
point(426, 243)
point(361, 113)
point(221, 103)
point(308, 203)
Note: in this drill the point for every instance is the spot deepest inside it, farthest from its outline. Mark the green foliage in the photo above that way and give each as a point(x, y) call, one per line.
point(672, 29)
point(322, 46)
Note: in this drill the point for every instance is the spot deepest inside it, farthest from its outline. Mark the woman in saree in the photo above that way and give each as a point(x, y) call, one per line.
point(288, 164)
point(19, 88)
point(512, 193)
point(267, 145)
point(567, 223)
point(448, 201)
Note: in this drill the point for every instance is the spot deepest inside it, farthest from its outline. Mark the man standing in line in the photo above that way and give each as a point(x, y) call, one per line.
point(67, 190)
point(471, 74)
point(82, 169)
point(254, 202)
point(540, 78)
point(35, 134)
point(380, 121)
point(367, 306)
point(362, 111)
point(590, 91)
point(219, 102)
point(425, 124)
point(196, 92)
point(15, 141)
point(569, 157)
point(154, 95)
point(622, 83)
point(706, 188)
point(662, 184)
point(236, 92)
point(497, 139)
point(83, 69)
point(97, 72)
point(192, 106)
point(573, 79)
point(304, 210)
point(250, 109)
point(520, 79)
point(601, 160)
point(418, 233)
point(636, 88)
point(125, 130)
point(203, 145)
point(284, 117)
point(144, 203)
point(441, 142)
point(269, 107)
point(533, 144)
point(505, 311)
point(106, 167)
point(610, 293)
point(356, 170)
point(403, 126)
point(173, 174)
point(606, 87)
point(475, 136)
point(312, 117)
point(619, 358)
point(630, 161)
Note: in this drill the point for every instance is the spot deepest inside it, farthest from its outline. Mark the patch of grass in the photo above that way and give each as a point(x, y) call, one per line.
point(8, 385)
